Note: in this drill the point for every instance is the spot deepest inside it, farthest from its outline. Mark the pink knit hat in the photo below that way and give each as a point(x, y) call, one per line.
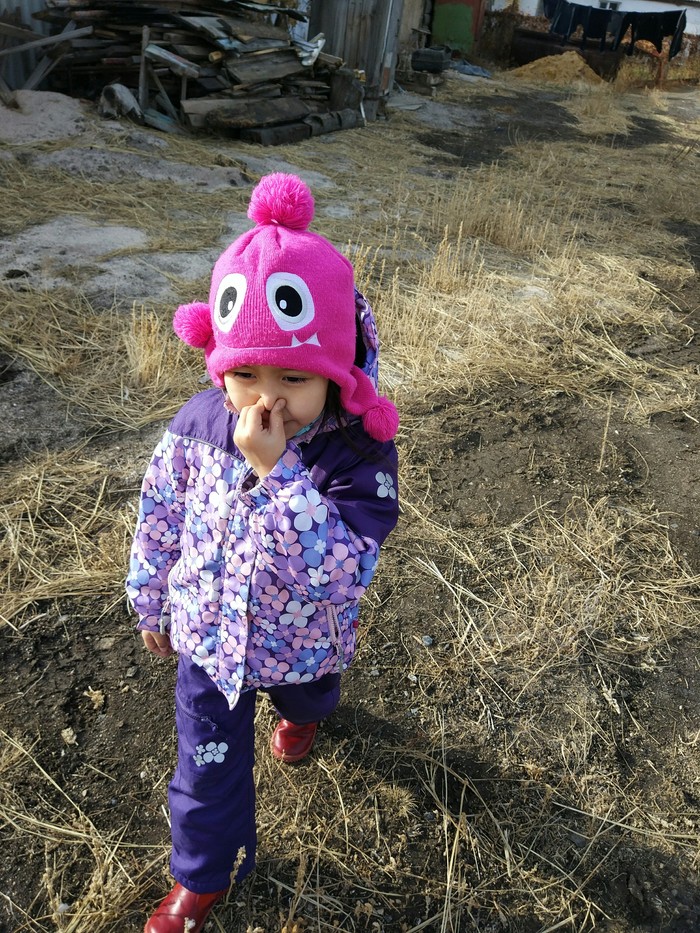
point(283, 296)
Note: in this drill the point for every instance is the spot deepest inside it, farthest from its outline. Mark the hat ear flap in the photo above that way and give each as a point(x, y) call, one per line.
point(192, 323)
point(380, 418)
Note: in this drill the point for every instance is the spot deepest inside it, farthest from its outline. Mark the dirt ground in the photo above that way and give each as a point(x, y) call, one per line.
point(435, 758)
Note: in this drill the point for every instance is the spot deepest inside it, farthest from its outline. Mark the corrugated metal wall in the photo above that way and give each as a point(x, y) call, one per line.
point(15, 69)
point(365, 33)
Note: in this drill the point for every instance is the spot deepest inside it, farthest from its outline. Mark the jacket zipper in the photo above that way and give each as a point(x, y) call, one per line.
point(336, 637)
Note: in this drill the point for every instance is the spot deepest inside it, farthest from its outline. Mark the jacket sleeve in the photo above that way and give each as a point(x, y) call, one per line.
point(156, 544)
point(325, 544)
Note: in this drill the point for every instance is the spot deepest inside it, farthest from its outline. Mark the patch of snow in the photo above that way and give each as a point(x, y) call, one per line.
point(41, 116)
point(44, 253)
point(108, 166)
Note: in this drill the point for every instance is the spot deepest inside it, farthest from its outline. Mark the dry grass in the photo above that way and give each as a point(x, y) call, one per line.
point(64, 532)
point(33, 195)
point(490, 798)
point(542, 620)
point(599, 583)
point(599, 110)
point(113, 370)
point(505, 297)
point(114, 873)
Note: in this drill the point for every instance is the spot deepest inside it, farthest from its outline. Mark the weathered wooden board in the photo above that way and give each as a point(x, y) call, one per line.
point(277, 135)
point(252, 44)
point(177, 64)
point(18, 32)
point(263, 66)
point(207, 25)
point(46, 40)
point(237, 115)
point(159, 121)
point(272, 8)
point(191, 52)
point(247, 29)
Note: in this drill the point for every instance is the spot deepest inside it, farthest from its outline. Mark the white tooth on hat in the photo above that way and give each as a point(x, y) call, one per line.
point(313, 339)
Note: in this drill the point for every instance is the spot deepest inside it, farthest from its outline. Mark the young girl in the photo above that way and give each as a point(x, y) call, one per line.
point(262, 514)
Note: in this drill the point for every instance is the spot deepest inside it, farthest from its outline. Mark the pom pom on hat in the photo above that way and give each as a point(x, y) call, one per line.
point(381, 421)
point(282, 199)
point(192, 323)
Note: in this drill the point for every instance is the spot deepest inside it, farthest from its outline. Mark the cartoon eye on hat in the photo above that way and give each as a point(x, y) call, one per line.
point(289, 300)
point(229, 300)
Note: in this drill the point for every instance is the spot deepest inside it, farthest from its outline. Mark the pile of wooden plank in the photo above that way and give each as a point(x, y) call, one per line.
point(223, 66)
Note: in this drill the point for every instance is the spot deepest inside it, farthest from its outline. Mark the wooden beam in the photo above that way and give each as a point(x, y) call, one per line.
point(208, 25)
point(162, 96)
point(48, 40)
point(263, 66)
point(43, 68)
point(236, 115)
point(159, 121)
point(7, 95)
point(177, 64)
point(17, 32)
point(143, 76)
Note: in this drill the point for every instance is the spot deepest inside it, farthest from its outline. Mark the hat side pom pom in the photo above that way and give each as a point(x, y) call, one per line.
point(192, 323)
point(381, 421)
point(282, 199)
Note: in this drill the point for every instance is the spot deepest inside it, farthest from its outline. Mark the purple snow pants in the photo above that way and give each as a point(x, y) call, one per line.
point(212, 793)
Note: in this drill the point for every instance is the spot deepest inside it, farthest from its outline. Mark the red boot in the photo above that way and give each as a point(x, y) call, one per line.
point(182, 910)
point(291, 742)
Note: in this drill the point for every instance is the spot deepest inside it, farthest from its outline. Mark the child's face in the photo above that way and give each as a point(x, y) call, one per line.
point(304, 393)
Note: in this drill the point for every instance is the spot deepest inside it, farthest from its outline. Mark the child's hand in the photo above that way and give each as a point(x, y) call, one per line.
point(260, 436)
point(157, 643)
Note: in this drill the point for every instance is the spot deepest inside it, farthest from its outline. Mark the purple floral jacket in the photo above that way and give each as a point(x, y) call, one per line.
point(259, 581)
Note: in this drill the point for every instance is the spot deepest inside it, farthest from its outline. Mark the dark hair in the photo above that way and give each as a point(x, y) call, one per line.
point(360, 348)
point(334, 410)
